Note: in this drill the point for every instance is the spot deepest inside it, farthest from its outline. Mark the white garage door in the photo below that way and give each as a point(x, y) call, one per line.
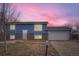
point(58, 35)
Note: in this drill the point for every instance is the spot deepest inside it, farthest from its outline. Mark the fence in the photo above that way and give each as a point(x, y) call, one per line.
point(27, 48)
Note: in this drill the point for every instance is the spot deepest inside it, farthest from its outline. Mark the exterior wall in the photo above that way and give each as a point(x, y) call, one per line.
point(58, 35)
point(30, 27)
point(30, 36)
point(45, 36)
point(1, 37)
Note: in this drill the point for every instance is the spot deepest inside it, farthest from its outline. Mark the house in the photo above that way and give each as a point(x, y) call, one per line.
point(36, 30)
point(59, 33)
point(75, 32)
point(26, 30)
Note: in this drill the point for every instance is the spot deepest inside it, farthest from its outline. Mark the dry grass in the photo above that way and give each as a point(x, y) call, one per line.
point(29, 48)
point(1, 50)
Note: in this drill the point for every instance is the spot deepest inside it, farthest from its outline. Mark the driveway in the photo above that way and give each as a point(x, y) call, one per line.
point(66, 48)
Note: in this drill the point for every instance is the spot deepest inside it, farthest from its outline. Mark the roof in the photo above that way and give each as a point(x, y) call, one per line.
point(76, 33)
point(27, 22)
point(58, 28)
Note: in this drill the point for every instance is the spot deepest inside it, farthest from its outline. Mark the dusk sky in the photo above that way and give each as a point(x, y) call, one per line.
point(55, 14)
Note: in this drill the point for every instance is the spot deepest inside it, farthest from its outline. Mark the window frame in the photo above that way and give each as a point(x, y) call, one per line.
point(12, 26)
point(38, 27)
point(38, 36)
point(12, 37)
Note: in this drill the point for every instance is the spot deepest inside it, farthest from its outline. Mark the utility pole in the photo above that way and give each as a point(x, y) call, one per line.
point(46, 43)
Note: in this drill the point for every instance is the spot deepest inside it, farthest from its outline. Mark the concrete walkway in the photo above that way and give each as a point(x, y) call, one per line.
point(66, 48)
point(8, 42)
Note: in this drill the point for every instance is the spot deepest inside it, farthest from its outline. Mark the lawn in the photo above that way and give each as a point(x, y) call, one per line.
point(28, 48)
point(1, 50)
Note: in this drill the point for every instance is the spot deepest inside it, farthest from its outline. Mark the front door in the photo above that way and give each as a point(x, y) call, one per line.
point(24, 34)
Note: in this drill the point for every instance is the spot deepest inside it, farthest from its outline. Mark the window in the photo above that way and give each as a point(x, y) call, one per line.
point(12, 27)
point(12, 36)
point(38, 37)
point(38, 27)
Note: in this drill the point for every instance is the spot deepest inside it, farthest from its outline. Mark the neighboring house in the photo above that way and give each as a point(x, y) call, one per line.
point(75, 32)
point(26, 30)
point(59, 33)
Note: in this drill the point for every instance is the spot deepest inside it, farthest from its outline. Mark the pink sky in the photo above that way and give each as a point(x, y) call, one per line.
point(55, 15)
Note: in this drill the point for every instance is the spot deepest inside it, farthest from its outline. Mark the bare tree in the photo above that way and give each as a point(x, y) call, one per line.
point(11, 15)
point(7, 14)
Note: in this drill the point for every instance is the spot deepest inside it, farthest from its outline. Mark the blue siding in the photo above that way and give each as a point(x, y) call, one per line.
point(29, 27)
point(19, 28)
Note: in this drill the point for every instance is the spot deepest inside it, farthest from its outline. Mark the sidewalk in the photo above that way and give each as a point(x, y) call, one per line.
point(12, 42)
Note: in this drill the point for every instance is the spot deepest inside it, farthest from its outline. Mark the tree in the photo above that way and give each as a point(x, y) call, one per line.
point(7, 14)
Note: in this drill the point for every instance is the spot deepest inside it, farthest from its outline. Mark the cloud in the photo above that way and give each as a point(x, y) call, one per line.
point(55, 16)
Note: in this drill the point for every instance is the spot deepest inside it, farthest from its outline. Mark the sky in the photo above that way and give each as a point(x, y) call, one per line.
point(56, 14)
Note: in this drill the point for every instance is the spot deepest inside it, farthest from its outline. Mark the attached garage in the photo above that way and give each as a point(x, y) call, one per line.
point(58, 33)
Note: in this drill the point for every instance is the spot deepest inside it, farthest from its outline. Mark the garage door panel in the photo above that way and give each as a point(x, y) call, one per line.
point(58, 35)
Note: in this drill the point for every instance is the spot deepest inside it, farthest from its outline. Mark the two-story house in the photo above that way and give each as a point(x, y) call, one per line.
point(26, 30)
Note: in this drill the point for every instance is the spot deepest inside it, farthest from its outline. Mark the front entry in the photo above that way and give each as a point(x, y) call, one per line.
point(24, 34)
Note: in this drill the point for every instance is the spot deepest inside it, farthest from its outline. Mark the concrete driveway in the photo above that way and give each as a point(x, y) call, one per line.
point(66, 48)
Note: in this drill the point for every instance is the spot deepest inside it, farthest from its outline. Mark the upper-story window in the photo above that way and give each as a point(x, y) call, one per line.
point(12, 27)
point(37, 27)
